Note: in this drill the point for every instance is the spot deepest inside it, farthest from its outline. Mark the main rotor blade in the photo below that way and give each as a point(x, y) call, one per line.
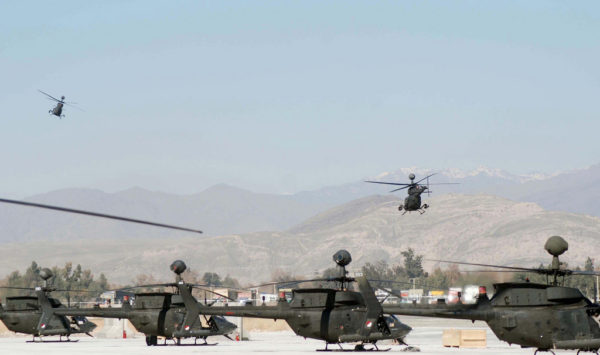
point(488, 265)
point(75, 291)
point(96, 214)
point(70, 105)
point(402, 188)
point(388, 183)
point(476, 271)
point(445, 183)
point(294, 282)
point(426, 177)
point(402, 283)
point(213, 292)
point(170, 284)
point(50, 96)
point(48, 289)
point(584, 273)
point(227, 287)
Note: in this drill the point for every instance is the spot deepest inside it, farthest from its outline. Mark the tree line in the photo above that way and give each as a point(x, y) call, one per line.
point(78, 279)
point(411, 272)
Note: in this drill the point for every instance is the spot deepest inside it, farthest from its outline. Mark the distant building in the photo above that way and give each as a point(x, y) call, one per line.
point(116, 297)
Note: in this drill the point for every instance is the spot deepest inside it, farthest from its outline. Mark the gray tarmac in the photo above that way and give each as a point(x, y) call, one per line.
point(426, 335)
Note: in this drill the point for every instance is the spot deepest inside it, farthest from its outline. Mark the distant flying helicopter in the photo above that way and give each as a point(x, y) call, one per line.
point(57, 110)
point(413, 201)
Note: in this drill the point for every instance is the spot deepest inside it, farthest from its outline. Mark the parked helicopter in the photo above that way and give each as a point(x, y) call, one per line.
point(335, 315)
point(413, 201)
point(163, 314)
point(543, 316)
point(36, 315)
point(57, 110)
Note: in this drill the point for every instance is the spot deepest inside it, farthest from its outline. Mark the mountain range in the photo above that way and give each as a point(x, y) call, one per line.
point(476, 228)
point(223, 209)
point(492, 216)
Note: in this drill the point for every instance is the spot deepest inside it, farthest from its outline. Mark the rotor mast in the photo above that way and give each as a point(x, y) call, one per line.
point(556, 246)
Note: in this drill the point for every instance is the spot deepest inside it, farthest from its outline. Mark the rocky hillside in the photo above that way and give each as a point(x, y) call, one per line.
point(478, 228)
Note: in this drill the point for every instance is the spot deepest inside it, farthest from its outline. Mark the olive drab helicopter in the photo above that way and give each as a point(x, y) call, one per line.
point(541, 316)
point(413, 201)
point(58, 109)
point(36, 315)
point(334, 315)
point(170, 315)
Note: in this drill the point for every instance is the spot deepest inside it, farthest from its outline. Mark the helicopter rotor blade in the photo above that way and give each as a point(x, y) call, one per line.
point(584, 273)
point(86, 291)
point(426, 177)
point(206, 285)
point(402, 188)
point(70, 104)
point(402, 283)
point(96, 214)
point(213, 292)
point(507, 271)
point(516, 268)
point(18, 288)
point(387, 183)
point(167, 284)
point(50, 96)
point(331, 279)
point(445, 183)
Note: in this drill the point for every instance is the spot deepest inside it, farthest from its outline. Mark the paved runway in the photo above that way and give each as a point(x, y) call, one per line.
point(426, 335)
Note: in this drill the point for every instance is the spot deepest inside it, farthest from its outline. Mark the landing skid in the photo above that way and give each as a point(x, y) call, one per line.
point(60, 340)
point(177, 342)
point(545, 351)
point(195, 344)
point(421, 210)
point(587, 351)
point(359, 347)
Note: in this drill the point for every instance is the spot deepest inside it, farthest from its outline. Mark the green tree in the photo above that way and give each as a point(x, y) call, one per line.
point(212, 279)
point(229, 281)
point(413, 264)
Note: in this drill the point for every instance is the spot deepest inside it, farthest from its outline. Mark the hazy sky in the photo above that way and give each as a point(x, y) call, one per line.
point(281, 96)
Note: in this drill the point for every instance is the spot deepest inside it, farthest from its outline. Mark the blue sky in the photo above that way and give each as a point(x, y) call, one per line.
point(282, 96)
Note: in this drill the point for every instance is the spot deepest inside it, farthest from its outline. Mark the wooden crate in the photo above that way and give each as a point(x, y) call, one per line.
point(464, 338)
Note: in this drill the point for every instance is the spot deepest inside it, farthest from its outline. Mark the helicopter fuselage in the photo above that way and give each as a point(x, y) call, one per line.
point(57, 110)
point(159, 315)
point(23, 315)
point(413, 201)
point(334, 316)
point(543, 316)
point(527, 314)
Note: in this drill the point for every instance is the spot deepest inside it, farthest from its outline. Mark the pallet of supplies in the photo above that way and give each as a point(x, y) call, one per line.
point(464, 338)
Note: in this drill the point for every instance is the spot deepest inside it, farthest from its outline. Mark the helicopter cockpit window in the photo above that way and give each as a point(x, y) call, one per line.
point(21, 304)
point(312, 299)
point(149, 301)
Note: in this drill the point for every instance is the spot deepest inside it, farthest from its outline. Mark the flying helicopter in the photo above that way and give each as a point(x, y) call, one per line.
point(58, 109)
point(413, 201)
point(172, 316)
point(542, 316)
point(36, 315)
point(335, 315)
